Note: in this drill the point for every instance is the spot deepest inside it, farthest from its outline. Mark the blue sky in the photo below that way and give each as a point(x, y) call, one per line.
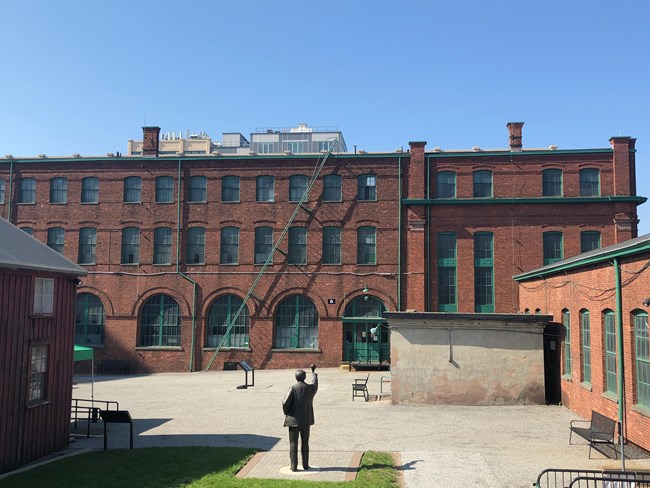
point(80, 77)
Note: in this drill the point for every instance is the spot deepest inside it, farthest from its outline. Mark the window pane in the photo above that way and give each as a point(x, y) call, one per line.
point(263, 244)
point(297, 245)
point(198, 189)
point(87, 244)
point(332, 188)
point(367, 188)
point(483, 273)
point(132, 189)
point(446, 184)
point(27, 190)
point(642, 350)
point(164, 189)
point(566, 321)
point(610, 352)
point(38, 374)
point(366, 245)
point(331, 245)
point(130, 245)
point(553, 249)
point(482, 184)
point(90, 190)
point(195, 245)
point(265, 189)
point(43, 295)
point(162, 245)
point(230, 189)
point(297, 187)
point(447, 272)
point(586, 346)
point(589, 182)
point(58, 190)
point(224, 312)
point(160, 322)
point(229, 245)
point(56, 238)
point(552, 183)
point(2, 190)
point(296, 324)
point(589, 240)
point(89, 320)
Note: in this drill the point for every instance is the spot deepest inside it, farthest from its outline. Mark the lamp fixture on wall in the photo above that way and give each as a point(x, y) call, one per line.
point(646, 302)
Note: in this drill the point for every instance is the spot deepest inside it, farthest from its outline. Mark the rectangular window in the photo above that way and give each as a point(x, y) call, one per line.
point(90, 190)
point(553, 249)
point(263, 244)
point(58, 190)
point(332, 188)
point(552, 183)
point(446, 184)
point(367, 188)
point(56, 238)
point(366, 245)
point(27, 190)
point(566, 321)
point(324, 146)
point(610, 352)
point(265, 189)
point(43, 296)
point(230, 189)
point(38, 374)
point(198, 189)
point(447, 272)
point(296, 147)
point(589, 240)
point(162, 245)
point(195, 245)
point(484, 272)
point(87, 245)
point(589, 182)
point(586, 346)
point(331, 245)
point(297, 187)
point(229, 245)
point(642, 349)
point(483, 184)
point(297, 245)
point(132, 189)
point(164, 189)
point(130, 245)
point(2, 190)
point(266, 147)
point(27, 230)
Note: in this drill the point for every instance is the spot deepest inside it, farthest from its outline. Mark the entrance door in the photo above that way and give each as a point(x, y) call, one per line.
point(366, 342)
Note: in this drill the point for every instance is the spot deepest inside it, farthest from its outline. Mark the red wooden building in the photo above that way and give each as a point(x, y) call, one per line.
point(37, 303)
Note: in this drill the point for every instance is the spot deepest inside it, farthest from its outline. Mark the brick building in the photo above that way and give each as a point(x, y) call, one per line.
point(173, 243)
point(600, 300)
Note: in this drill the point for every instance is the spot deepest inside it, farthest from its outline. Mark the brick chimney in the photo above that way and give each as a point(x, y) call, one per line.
point(150, 141)
point(515, 129)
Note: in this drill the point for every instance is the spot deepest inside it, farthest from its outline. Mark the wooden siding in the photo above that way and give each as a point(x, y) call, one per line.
point(30, 432)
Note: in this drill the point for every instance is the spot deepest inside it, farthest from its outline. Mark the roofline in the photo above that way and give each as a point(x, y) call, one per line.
point(44, 269)
point(524, 152)
point(522, 201)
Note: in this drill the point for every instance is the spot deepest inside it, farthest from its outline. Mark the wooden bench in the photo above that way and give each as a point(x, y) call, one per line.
point(601, 430)
point(115, 365)
point(360, 388)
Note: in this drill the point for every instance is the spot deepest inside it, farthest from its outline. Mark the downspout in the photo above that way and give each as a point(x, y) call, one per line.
point(427, 236)
point(11, 187)
point(178, 259)
point(619, 354)
point(399, 235)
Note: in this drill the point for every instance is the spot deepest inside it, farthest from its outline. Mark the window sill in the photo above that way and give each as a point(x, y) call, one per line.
point(132, 203)
point(610, 396)
point(164, 203)
point(234, 349)
point(26, 203)
point(332, 201)
point(586, 386)
point(158, 348)
point(197, 203)
point(642, 410)
point(298, 350)
point(87, 264)
point(132, 265)
point(161, 264)
point(38, 403)
point(237, 201)
point(331, 264)
point(89, 203)
point(195, 264)
point(265, 201)
point(567, 378)
point(42, 315)
point(58, 203)
point(228, 264)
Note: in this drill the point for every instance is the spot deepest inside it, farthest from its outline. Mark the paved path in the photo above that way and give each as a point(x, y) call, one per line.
point(446, 446)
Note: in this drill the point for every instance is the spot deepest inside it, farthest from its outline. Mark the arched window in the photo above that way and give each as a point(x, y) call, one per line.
point(89, 320)
point(160, 322)
point(221, 313)
point(296, 324)
point(365, 306)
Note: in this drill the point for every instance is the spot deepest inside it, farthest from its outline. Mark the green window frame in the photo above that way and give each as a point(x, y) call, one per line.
point(331, 245)
point(221, 313)
point(229, 252)
point(553, 247)
point(162, 245)
point(90, 190)
point(230, 189)
point(28, 230)
point(484, 272)
point(589, 182)
point(38, 374)
point(482, 184)
point(297, 187)
point(263, 244)
point(2, 191)
point(164, 189)
point(367, 188)
point(59, 190)
point(27, 190)
point(642, 358)
point(160, 322)
point(447, 269)
point(132, 189)
point(367, 245)
point(585, 329)
point(56, 239)
point(566, 322)
point(265, 189)
point(589, 240)
point(332, 188)
point(609, 337)
point(296, 324)
point(446, 184)
point(89, 320)
point(196, 245)
point(198, 192)
point(552, 183)
point(297, 245)
point(130, 245)
point(87, 245)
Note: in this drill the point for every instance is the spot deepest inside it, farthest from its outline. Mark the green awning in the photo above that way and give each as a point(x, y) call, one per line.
point(82, 353)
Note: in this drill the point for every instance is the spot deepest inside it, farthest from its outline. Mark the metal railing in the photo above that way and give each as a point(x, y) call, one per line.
point(84, 410)
point(589, 478)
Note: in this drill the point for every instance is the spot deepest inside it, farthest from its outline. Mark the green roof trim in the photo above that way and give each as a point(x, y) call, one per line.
point(631, 247)
point(523, 201)
point(540, 152)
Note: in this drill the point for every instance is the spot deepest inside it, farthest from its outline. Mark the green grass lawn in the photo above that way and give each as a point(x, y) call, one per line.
point(197, 467)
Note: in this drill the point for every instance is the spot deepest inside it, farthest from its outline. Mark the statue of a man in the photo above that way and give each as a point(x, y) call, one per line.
point(298, 406)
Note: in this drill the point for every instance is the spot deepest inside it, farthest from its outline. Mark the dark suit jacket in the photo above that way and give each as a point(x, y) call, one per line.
point(298, 404)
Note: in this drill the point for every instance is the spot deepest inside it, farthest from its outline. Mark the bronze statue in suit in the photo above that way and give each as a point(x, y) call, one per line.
point(298, 407)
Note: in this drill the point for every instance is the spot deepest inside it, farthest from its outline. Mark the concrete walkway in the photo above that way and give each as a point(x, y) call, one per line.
point(446, 446)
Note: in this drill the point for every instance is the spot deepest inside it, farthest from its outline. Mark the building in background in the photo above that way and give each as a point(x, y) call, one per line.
point(37, 297)
point(173, 244)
